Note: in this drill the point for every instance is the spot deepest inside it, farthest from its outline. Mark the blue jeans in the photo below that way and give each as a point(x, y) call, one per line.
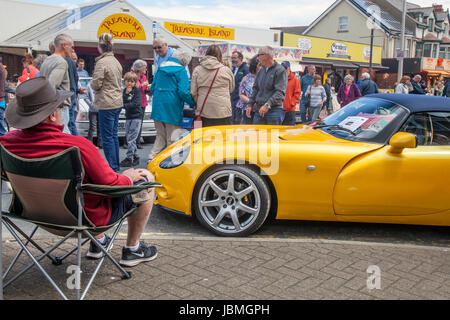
point(236, 117)
point(303, 110)
point(3, 130)
point(274, 117)
point(132, 127)
point(289, 119)
point(72, 126)
point(109, 126)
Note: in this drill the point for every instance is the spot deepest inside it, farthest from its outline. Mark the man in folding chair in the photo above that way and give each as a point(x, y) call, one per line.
point(37, 114)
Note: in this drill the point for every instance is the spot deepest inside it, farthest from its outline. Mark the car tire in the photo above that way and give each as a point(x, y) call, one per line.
point(231, 200)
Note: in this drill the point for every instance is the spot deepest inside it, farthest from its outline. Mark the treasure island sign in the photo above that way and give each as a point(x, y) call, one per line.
point(198, 31)
point(122, 26)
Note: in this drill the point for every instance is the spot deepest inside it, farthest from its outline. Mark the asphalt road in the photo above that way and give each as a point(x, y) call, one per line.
point(164, 223)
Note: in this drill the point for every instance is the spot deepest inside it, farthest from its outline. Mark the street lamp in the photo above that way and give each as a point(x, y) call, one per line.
point(401, 56)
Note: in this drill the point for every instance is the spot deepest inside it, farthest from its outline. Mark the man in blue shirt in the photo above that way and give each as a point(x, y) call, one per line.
point(163, 51)
point(306, 81)
point(80, 70)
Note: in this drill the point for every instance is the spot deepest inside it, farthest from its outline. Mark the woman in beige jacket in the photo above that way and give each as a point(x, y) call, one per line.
point(107, 85)
point(217, 109)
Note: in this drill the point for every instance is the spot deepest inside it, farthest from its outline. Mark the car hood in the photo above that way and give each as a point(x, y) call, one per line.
point(298, 134)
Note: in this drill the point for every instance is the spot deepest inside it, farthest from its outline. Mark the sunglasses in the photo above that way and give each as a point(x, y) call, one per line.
point(157, 48)
point(261, 54)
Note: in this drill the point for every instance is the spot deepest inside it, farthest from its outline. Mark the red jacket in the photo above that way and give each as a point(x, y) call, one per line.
point(144, 90)
point(293, 93)
point(26, 76)
point(47, 139)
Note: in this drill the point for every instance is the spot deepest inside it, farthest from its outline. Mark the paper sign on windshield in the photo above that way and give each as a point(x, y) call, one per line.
point(353, 123)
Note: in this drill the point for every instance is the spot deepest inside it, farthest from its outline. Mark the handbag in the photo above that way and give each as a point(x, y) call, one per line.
point(308, 97)
point(198, 123)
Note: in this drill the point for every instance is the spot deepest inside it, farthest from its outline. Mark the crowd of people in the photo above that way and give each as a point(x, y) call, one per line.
point(261, 91)
point(258, 91)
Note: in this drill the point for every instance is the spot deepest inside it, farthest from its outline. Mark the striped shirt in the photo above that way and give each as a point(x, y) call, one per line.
point(318, 94)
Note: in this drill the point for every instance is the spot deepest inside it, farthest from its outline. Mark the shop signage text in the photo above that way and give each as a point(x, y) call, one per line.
point(199, 31)
point(339, 50)
point(122, 26)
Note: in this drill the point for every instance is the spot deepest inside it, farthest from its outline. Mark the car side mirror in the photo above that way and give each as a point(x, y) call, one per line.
point(402, 140)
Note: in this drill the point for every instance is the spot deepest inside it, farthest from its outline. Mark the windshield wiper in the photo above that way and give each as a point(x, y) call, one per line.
point(334, 127)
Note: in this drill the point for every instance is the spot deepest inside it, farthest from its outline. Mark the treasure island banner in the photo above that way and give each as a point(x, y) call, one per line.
point(198, 31)
point(122, 26)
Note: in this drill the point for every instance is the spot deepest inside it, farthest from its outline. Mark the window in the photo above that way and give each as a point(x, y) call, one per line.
point(343, 24)
point(430, 24)
point(442, 52)
point(435, 51)
point(427, 50)
point(408, 48)
point(430, 128)
point(419, 49)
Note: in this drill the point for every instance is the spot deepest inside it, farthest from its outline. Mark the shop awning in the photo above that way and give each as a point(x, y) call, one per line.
point(316, 61)
point(437, 73)
point(344, 64)
point(374, 66)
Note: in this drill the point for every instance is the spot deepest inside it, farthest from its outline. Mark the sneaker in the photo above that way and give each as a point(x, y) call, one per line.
point(136, 161)
point(126, 163)
point(145, 253)
point(95, 252)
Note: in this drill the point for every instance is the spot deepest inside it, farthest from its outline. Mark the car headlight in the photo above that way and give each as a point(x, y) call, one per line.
point(176, 159)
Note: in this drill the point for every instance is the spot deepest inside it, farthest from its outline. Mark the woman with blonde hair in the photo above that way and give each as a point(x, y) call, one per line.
point(211, 87)
point(403, 86)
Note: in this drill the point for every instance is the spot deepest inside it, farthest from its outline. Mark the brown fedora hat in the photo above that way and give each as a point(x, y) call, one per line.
point(36, 99)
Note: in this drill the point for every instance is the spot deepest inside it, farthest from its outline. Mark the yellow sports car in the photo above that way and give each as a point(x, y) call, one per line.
point(384, 158)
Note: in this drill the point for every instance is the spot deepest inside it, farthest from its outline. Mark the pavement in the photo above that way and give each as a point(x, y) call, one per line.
point(214, 268)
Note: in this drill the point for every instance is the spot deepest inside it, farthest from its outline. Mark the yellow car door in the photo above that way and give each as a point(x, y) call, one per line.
point(410, 183)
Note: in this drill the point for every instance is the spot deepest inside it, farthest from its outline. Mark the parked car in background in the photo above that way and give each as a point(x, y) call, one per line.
point(82, 120)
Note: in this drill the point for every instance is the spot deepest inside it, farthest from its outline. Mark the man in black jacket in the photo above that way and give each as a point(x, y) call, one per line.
point(417, 86)
point(73, 76)
point(367, 86)
point(240, 70)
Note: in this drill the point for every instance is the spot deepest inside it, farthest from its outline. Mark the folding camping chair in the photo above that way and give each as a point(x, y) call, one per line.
point(48, 192)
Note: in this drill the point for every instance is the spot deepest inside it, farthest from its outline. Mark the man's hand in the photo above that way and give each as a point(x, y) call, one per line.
point(263, 110)
point(136, 175)
point(248, 112)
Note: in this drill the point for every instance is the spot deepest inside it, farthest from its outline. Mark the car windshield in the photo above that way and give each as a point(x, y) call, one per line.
point(366, 119)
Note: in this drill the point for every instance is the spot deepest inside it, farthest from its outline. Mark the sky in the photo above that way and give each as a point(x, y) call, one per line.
point(259, 13)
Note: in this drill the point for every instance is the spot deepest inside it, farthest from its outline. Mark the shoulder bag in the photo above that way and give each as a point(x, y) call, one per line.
point(198, 120)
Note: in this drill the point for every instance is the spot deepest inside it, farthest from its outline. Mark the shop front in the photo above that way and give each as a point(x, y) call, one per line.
point(293, 55)
point(133, 32)
point(335, 59)
point(435, 69)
